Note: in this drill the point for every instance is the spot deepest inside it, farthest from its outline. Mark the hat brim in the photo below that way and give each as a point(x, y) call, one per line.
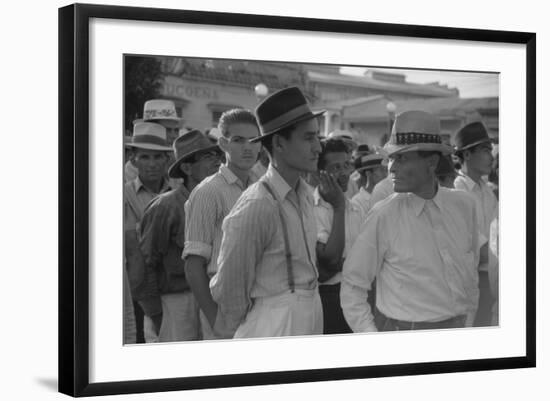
point(165, 122)
point(471, 145)
point(304, 117)
point(430, 147)
point(149, 146)
point(174, 169)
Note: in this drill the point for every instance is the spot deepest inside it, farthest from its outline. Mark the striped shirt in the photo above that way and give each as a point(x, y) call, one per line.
point(324, 214)
point(208, 204)
point(252, 261)
point(424, 255)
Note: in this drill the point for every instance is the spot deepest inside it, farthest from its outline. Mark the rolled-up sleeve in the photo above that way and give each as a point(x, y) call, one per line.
point(201, 214)
point(246, 231)
point(360, 269)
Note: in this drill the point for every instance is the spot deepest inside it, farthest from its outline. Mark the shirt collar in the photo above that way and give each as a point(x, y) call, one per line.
point(230, 177)
point(417, 203)
point(279, 184)
point(470, 184)
point(139, 185)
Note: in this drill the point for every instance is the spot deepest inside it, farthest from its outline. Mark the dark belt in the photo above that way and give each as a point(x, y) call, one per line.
point(385, 323)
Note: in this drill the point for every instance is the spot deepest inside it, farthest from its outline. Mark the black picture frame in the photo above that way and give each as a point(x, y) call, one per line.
point(74, 198)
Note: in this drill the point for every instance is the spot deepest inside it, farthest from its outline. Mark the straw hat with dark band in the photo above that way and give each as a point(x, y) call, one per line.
point(150, 136)
point(416, 131)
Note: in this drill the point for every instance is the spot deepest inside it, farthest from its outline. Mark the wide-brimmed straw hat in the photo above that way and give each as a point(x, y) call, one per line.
point(416, 131)
point(471, 135)
point(370, 161)
point(161, 111)
point(282, 109)
point(150, 136)
point(188, 145)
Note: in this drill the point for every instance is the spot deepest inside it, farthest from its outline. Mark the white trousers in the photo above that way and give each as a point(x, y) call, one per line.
point(289, 314)
point(180, 319)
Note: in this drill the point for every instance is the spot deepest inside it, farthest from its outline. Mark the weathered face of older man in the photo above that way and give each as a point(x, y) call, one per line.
point(151, 164)
point(413, 172)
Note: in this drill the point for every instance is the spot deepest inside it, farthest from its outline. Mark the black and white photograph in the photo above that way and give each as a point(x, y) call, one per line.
point(271, 199)
point(252, 200)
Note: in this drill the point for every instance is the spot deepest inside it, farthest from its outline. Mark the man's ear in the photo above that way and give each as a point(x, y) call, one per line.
point(223, 143)
point(277, 142)
point(466, 154)
point(434, 161)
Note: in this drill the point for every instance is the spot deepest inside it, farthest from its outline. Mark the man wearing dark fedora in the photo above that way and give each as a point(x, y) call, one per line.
point(266, 284)
point(420, 244)
point(149, 154)
point(210, 202)
point(169, 301)
point(474, 150)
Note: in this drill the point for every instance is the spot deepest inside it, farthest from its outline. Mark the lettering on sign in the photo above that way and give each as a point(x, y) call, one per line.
point(189, 91)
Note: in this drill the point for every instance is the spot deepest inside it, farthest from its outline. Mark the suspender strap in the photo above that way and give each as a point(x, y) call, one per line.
point(288, 255)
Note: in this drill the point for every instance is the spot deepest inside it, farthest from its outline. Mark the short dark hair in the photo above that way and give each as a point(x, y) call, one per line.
point(332, 145)
point(234, 116)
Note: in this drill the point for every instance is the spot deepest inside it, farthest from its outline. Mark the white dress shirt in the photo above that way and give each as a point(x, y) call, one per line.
point(424, 255)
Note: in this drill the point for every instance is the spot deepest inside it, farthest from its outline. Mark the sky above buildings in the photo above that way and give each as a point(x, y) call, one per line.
point(470, 84)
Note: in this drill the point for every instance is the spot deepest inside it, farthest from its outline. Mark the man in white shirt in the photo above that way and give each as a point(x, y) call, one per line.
point(420, 244)
point(338, 224)
point(474, 149)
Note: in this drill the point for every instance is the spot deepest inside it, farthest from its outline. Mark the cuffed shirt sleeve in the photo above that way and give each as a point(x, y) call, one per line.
point(201, 215)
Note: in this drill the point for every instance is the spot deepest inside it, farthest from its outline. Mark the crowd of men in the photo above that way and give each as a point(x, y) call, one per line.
point(263, 228)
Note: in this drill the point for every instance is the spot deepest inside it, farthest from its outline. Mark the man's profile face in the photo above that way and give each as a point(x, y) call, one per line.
point(151, 164)
point(409, 172)
point(301, 150)
point(480, 158)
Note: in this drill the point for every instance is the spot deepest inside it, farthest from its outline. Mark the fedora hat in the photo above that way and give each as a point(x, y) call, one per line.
point(282, 109)
point(416, 131)
point(470, 135)
point(369, 161)
point(188, 145)
point(162, 111)
point(150, 136)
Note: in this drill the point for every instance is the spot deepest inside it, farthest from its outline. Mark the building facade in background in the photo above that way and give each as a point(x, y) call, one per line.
point(203, 89)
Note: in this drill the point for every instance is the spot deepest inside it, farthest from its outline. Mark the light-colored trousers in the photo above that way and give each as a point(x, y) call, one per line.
point(180, 319)
point(290, 314)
